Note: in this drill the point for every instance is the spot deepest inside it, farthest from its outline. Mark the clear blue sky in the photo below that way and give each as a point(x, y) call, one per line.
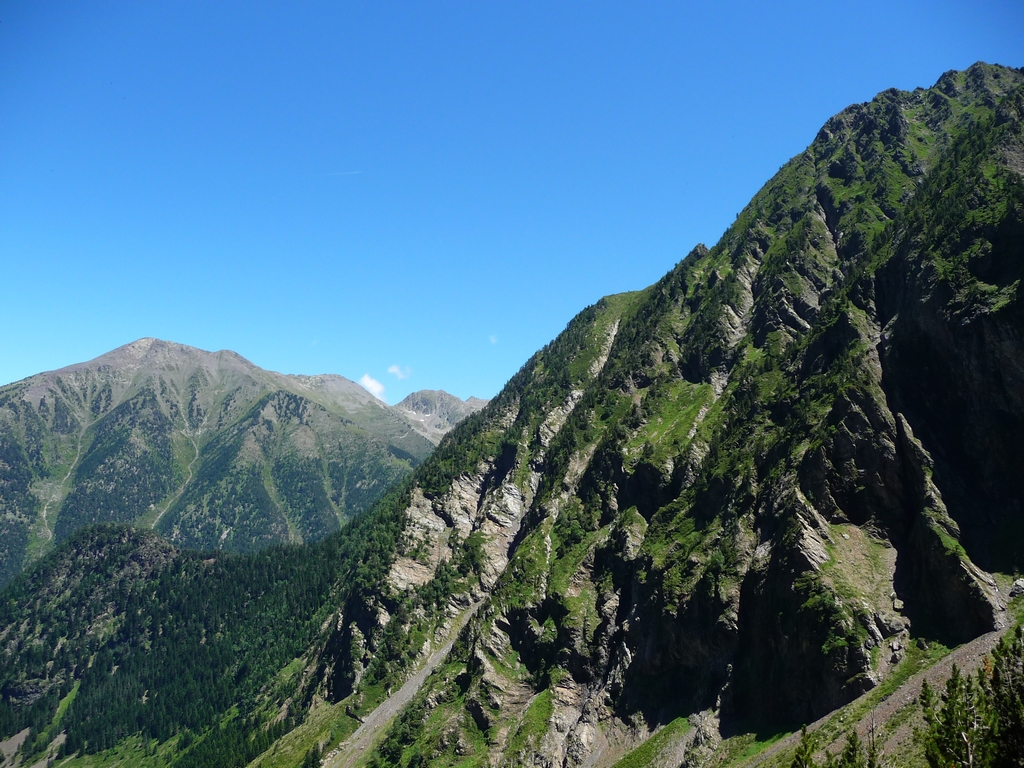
point(348, 187)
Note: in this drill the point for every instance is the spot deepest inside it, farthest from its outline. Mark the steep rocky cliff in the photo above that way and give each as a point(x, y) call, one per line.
point(737, 496)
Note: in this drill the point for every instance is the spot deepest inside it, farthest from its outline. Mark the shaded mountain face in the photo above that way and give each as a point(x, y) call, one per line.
point(207, 448)
point(735, 497)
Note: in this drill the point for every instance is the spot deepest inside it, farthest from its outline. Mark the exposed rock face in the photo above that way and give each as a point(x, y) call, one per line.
point(738, 495)
point(428, 534)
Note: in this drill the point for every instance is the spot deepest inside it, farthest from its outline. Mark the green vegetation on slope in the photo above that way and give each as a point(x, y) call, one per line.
point(163, 643)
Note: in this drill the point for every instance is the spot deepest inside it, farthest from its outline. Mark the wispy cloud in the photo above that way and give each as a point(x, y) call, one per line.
point(372, 386)
point(493, 338)
point(401, 373)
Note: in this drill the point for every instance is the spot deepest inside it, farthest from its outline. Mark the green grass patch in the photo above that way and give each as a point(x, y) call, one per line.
point(532, 727)
point(647, 753)
point(327, 725)
point(673, 415)
point(739, 749)
point(524, 579)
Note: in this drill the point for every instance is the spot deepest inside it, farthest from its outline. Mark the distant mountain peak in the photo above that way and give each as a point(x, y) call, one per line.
point(433, 412)
point(425, 400)
point(163, 434)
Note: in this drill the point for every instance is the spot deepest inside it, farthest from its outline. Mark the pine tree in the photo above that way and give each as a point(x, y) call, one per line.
point(852, 755)
point(804, 757)
point(313, 757)
point(1004, 689)
point(958, 733)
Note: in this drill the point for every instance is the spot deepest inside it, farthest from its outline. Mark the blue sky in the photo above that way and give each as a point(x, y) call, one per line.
point(432, 188)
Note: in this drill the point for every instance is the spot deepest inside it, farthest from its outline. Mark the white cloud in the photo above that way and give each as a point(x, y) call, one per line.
point(493, 338)
point(372, 386)
point(401, 373)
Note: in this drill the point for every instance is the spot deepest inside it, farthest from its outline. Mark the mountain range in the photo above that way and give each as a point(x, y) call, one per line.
point(205, 447)
point(765, 490)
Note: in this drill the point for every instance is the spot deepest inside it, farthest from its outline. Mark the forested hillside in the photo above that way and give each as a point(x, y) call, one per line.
point(118, 634)
point(708, 512)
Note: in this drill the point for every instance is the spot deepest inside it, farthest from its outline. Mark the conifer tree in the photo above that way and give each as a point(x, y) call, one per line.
point(957, 732)
point(1004, 688)
point(804, 757)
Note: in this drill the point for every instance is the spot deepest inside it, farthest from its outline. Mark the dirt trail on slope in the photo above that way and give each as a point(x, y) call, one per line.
point(967, 657)
point(58, 492)
point(348, 753)
point(188, 480)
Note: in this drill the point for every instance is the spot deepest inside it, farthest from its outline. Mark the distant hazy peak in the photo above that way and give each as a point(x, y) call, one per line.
point(426, 400)
point(433, 412)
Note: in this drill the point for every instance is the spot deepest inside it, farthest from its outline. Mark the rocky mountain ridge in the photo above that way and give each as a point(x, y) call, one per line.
point(738, 496)
point(205, 446)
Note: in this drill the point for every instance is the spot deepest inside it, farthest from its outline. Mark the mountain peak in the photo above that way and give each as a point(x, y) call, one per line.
point(176, 416)
point(433, 412)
